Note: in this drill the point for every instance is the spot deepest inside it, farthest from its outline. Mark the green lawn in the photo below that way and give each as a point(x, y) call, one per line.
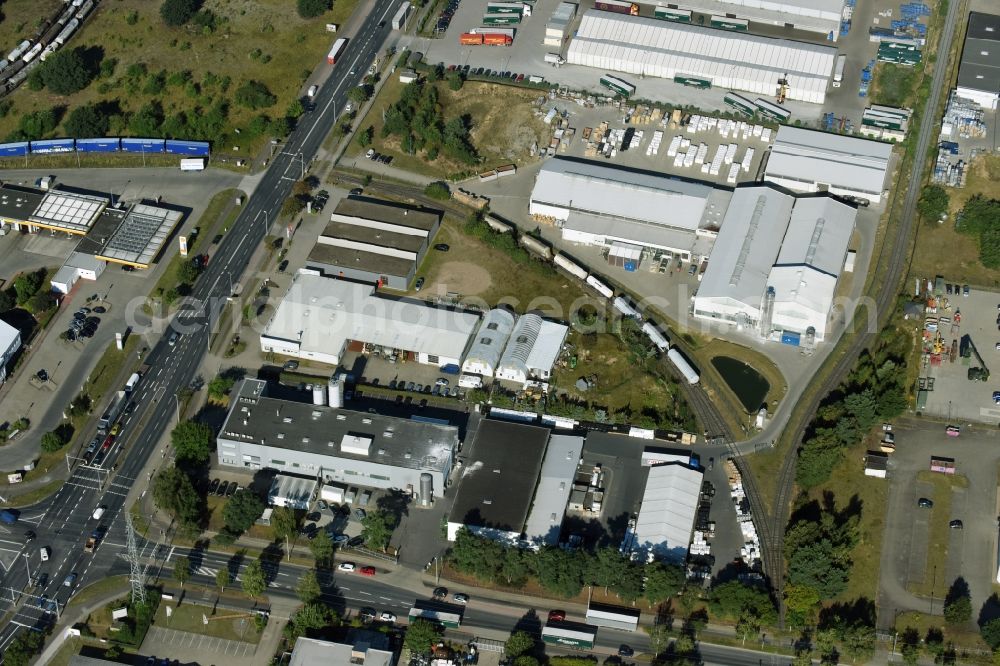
point(221, 624)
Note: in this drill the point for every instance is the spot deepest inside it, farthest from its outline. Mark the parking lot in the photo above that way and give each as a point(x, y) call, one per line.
point(953, 395)
point(911, 544)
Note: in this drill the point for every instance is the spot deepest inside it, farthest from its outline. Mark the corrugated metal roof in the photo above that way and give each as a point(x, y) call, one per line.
point(552, 493)
point(740, 61)
point(845, 162)
point(490, 339)
point(669, 504)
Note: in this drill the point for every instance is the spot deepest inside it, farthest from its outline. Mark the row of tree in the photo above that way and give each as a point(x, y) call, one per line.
point(979, 219)
point(418, 121)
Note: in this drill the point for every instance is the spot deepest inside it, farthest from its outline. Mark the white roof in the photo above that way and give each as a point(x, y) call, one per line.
point(666, 516)
point(554, 485)
point(534, 345)
point(747, 246)
point(844, 162)
point(84, 261)
point(807, 14)
point(314, 652)
point(597, 190)
point(70, 212)
point(492, 336)
point(802, 298)
point(8, 336)
point(547, 346)
point(321, 314)
point(740, 61)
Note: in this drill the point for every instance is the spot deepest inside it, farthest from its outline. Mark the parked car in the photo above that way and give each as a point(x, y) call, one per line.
point(625, 651)
point(441, 381)
point(956, 525)
point(557, 615)
point(442, 247)
point(356, 541)
point(322, 505)
point(461, 598)
point(367, 571)
point(387, 617)
point(441, 592)
point(419, 284)
point(360, 514)
point(925, 503)
point(231, 490)
point(346, 566)
point(291, 365)
point(221, 490)
point(340, 539)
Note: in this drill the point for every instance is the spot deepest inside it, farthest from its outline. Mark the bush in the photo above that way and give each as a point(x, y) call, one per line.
point(312, 8)
point(255, 95)
point(66, 71)
point(52, 441)
point(178, 12)
point(438, 190)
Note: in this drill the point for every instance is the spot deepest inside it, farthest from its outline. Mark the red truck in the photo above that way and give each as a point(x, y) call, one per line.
point(470, 39)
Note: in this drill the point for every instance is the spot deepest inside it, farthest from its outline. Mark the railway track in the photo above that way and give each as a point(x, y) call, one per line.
point(889, 287)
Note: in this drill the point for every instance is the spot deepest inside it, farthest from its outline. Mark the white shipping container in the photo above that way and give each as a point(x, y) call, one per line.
point(600, 287)
point(192, 164)
point(570, 267)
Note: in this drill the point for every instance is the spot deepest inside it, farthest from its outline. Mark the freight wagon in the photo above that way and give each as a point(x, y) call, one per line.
point(618, 7)
point(570, 267)
point(177, 147)
point(102, 145)
point(140, 145)
point(685, 368)
point(52, 146)
point(16, 149)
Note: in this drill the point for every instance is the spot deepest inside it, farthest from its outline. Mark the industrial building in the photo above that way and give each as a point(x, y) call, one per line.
point(533, 349)
point(557, 29)
point(332, 444)
point(979, 70)
point(601, 205)
point(320, 318)
point(812, 161)
point(10, 343)
point(361, 647)
point(374, 241)
point(819, 16)
point(666, 516)
point(497, 480)
point(552, 494)
point(78, 265)
point(704, 56)
point(776, 263)
point(488, 345)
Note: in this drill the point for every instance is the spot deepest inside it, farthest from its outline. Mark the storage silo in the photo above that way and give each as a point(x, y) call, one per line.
point(426, 489)
point(336, 390)
point(319, 397)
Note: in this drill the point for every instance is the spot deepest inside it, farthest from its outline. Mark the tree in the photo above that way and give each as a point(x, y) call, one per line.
point(284, 525)
point(23, 648)
point(178, 12)
point(222, 579)
point(958, 610)
point(220, 387)
point(933, 203)
point(438, 190)
point(308, 590)
point(6, 301)
point(560, 571)
point(455, 81)
point(322, 548)
point(909, 646)
point(26, 285)
point(528, 660)
point(420, 635)
point(292, 205)
point(663, 581)
point(187, 272)
point(66, 71)
point(182, 570)
point(659, 638)
point(311, 617)
point(990, 631)
point(192, 442)
point(254, 95)
point(147, 120)
point(37, 124)
point(174, 493)
point(358, 95)
point(52, 441)
point(801, 602)
point(731, 598)
point(819, 566)
point(312, 8)
point(242, 510)
point(86, 121)
point(376, 528)
point(366, 136)
point(253, 580)
point(295, 109)
point(519, 643)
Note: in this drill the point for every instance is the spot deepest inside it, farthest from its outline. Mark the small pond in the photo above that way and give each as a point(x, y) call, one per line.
point(748, 384)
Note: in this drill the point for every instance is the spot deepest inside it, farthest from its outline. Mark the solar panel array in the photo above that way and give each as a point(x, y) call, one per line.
point(141, 235)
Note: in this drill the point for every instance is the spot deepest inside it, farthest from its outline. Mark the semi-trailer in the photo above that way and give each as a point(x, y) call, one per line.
point(112, 413)
point(617, 6)
point(336, 50)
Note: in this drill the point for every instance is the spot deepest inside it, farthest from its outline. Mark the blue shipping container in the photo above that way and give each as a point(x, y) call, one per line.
point(142, 145)
point(103, 145)
point(790, 338)
point(196, 148)
point(13, 149)
point(52, 146)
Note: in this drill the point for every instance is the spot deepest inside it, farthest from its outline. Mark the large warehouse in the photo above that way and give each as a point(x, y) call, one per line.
point(820, 16)
point(600, 205)
point(979, 71)
point(813, 161)
point(724, 59)
point(776, 263)
point(374, 241)
point(666, 517)
point(333, 444)
point(488, 345)
point(320, 316)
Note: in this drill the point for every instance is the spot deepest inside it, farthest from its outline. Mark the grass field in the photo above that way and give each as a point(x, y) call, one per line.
point(504, 125)
point(21, 19)
point(188, 617)
point(264, 40)
point(960, 262)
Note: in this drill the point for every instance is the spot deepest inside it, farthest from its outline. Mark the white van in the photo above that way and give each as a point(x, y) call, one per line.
point(470, 381)
point(98, 512)
point(43, 553)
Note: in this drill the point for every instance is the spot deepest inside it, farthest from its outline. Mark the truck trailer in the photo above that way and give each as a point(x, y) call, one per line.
point(618, 7)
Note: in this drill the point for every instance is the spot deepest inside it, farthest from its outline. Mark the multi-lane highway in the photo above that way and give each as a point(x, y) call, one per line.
point(64, 521)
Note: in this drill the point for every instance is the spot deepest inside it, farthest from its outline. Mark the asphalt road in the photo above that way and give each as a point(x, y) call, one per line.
point(348, 593)
point(63, 522)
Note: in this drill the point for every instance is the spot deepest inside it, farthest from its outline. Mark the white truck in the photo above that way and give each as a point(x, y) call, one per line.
point(838, 72)
point(555, 59)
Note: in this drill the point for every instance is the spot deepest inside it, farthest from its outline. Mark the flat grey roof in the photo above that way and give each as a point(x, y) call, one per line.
point(498, 475)
point(255, 418)
point(554, 484)
point(389, 212)
point(18, 203)
point(812, 156)
point(980, 66)
point(140, 236)
point(345, 257)
point(371, 236)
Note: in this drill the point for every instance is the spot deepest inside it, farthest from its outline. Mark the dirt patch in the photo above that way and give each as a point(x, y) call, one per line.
point(463, 277)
